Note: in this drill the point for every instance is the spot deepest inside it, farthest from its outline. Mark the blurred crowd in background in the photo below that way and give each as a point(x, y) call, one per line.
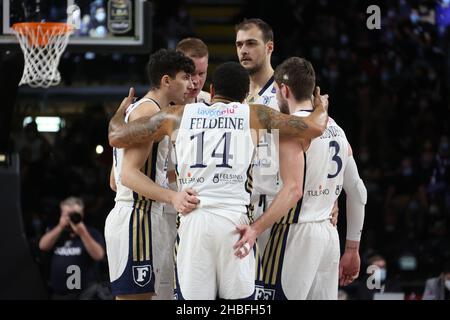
point(388, 89)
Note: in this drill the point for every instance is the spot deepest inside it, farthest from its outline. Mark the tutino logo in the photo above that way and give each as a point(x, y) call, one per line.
point(190, 180)
point(320, 192)
point(142, 275)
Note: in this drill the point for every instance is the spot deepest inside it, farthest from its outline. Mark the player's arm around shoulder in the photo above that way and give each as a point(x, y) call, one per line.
point(310, 127)
point(140, 130)
point(135, 158)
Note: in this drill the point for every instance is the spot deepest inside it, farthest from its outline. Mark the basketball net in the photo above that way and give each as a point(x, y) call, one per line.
point(42, 44)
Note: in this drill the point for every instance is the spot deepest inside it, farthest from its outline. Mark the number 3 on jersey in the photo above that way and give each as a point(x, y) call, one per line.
point(225, 156)
point(335, 158)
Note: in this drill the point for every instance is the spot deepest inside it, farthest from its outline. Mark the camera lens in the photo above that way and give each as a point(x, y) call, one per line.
point(75, 217)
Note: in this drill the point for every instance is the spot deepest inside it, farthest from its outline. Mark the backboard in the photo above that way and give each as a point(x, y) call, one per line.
point(104, 25)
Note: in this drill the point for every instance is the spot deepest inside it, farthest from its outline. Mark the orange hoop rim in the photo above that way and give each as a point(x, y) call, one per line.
point(36, 32)
point(61, 27)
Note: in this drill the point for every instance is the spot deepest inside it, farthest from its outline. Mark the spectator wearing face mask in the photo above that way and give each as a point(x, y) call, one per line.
point(438, 288)
point(378, 280)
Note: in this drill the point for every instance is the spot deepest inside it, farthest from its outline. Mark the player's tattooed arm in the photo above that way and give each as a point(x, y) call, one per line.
point(145, 129)
point(303, 127)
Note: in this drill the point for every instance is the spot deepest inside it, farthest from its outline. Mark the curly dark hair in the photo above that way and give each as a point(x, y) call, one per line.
point(231, 81)
point(167, 62)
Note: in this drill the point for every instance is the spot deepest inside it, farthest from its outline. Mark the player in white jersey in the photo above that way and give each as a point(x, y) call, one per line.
point(301, 260)
point(135, 229)
point(213, 146)
point(254, 45)
point(197, 51)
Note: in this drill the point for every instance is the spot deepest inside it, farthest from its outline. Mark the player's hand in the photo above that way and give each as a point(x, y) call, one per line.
point(349, 267)
point(245, 244)
point(334, 214)
point(320, 101)
point(125, 103)
point(185, 201)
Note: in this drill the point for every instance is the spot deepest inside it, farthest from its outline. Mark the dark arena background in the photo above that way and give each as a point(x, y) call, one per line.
point(388, 87)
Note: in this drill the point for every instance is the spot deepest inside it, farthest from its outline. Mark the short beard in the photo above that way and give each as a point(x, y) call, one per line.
point(254, 70)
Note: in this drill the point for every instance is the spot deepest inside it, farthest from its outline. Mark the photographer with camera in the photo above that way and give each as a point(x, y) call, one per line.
point(75, 250)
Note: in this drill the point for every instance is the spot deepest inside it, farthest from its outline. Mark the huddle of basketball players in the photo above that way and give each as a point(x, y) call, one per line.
point(220, 195)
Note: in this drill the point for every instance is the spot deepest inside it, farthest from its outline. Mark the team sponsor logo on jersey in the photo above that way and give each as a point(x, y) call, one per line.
point(263, 163)
point(266, 100)
point(210, 112)
point(338, 189)
point(228, 178)
point(191, 180)
point(142, 274)
point(319, 192)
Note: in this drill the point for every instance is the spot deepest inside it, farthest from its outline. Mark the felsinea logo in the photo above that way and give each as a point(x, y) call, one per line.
point(228, 178)
point(210, 112)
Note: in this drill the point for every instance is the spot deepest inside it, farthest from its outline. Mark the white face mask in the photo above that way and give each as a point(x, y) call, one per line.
point(447, 284)
point(380, 274)
point(383, 274)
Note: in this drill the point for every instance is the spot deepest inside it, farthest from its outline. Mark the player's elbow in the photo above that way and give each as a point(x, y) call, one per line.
point(317, 129)
point(125, 178)
point(113, 186)
point(115, 140)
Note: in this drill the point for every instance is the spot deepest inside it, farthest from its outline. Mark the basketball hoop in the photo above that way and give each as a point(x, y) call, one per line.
point(42, 44)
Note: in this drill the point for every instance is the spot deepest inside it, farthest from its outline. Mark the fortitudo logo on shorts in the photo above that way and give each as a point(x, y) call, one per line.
point(142, 275)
